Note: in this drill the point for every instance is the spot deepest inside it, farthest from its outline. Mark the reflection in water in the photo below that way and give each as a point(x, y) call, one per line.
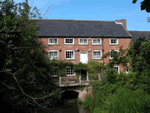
point(69, 106)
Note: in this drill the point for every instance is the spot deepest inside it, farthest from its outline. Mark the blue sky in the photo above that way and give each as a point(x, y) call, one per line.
point(105, 10)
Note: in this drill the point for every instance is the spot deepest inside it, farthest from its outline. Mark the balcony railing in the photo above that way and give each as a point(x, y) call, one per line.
point(71, 81)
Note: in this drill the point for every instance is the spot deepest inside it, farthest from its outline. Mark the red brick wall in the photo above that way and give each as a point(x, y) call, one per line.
point(86, 48)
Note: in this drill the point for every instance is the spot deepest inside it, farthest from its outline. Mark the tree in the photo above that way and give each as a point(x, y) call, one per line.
point(145, 5)
point(25, 81)
point(118, 57)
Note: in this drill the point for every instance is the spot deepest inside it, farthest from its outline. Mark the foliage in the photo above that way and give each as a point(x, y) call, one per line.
point(25, 81)
point(145, 5)
point(118, 95)
point(140, 63)
point(118, 57)
point(79, 67)
point(125, 101)
point(60, 65)
point(94, 68)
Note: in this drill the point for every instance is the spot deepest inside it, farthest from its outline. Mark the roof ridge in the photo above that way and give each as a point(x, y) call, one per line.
point(73, 20)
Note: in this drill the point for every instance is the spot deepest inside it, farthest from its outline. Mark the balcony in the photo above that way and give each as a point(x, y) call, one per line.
point(71, 81)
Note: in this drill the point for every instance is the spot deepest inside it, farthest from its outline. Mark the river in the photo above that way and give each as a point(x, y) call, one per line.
point(69, 106)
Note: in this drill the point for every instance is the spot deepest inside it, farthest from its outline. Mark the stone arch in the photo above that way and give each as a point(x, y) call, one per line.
point(69, 94)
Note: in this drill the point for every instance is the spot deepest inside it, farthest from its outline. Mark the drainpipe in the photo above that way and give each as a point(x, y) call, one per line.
point(103, 49)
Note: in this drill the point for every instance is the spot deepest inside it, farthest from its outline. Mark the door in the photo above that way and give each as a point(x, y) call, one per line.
point(84, 57)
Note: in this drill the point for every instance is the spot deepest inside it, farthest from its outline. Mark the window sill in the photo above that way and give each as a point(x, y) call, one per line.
point(69, 59)
point(83, 44)
point(114, 44)
point(53, 44)
point(97, 58)
point(54, 76)
point(70, 75)
point(96, 44)
point(54, 59)
point(69, 44)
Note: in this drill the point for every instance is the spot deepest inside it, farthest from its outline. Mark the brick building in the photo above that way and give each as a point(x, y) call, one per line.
point(83, 40)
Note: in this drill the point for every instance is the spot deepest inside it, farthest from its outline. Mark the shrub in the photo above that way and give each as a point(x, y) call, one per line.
point(125, 101)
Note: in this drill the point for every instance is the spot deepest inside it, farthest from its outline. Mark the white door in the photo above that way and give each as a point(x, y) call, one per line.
point(83, 57)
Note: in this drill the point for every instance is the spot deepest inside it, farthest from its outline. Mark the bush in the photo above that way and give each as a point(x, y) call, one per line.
point(125, 101)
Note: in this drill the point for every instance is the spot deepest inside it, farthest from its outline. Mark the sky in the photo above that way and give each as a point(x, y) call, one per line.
point(102, 10)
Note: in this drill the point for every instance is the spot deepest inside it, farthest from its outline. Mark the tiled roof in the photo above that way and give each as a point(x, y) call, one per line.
point(83, 28)
point(137, 34)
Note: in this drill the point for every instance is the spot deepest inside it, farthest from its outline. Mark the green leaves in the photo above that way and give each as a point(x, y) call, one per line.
point(25, 68)
point(134, 1)
point(145, 5)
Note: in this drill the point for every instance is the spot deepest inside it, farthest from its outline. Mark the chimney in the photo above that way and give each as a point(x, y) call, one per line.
point(122, 22)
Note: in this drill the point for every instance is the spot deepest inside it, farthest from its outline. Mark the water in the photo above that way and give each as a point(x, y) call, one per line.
point(69, 106)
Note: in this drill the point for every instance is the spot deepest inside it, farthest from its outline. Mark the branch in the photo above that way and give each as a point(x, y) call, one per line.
point(33, 98)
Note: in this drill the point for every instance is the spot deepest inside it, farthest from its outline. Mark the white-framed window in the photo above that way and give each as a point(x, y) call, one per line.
point(113, 41)
point(83, 41)
point(96, 41)
point(69, 71)
point(52, 41)
point(111, 52)
point(55, 72)
point(53, 54)
point(97, 54)
point(128, 71)
point(69, 54)
point(69, 40)
point(117, 68)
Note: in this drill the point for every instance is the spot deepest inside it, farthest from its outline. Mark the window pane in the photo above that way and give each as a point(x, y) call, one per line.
point(81, 40)
point(96, 41)
point(50, 54)
point(50, 41)
point(69, 41)
point(85, 41)
point(55, 72)
point(69, 71)
point(114, 41)
point(55, 41)
point(94, 54)
point(116, 68)
point(69, 54)
point(55, 53)
point(97, 54)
